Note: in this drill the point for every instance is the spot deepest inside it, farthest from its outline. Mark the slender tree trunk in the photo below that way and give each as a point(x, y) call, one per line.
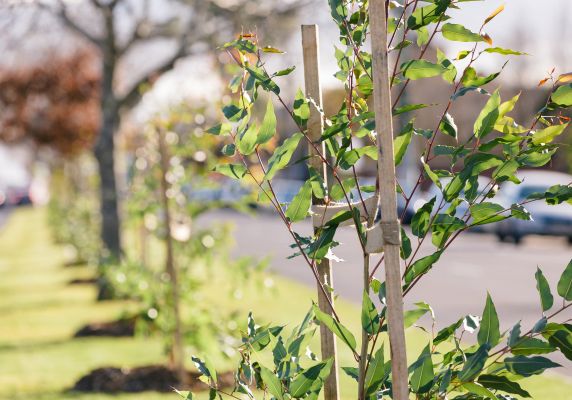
point(177, 348)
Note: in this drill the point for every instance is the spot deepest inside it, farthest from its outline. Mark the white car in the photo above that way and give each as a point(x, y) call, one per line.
point(553, 220)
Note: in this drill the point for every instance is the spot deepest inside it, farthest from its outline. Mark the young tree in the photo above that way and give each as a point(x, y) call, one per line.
point(116, 28)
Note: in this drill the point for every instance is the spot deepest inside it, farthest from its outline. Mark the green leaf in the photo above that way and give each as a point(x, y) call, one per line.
point(528, 366)
point(307, 378)
point(563, 95)
point(400, 144)
point(487, 118)
point(502, 383)
point(489, 332)
point(417, 69)
point(475, 364)
point(408, 108)
point(422, 36)
point(262, 77)
point(443, 227)
point(420, 221)
point(369, 315)
point(546, 298)
point(233, 113)
point(336, 327)
point(450, 72)
point(349, 158)
point(529, 345)
point(448, 126)
point(458, 33)
point(425, 15)
point(282, 155)
point(547, 135)
point(301, 203)
point(246, 141)
point(272, 383)
point(486, 213)
point(423, 374)
point(301, 112)
point(562, 339)
point(479, 390)
point(505, 52)
point(471, 79)
point(447, 332)
point(236, 171)
point(377, 372)
point(268, 128)
point(565, 283)
point(220, 129)
point(412, 316)
point(184, 394)
point(405, 249)
point(421, 266)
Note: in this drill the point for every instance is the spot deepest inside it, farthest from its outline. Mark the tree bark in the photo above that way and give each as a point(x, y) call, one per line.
point(105, 147)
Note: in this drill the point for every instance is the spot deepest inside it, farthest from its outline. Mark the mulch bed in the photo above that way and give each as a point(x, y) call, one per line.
point(156, 378)
point(121, 328)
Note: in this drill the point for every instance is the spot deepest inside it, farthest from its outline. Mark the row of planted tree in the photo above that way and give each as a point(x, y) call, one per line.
point(175, 158)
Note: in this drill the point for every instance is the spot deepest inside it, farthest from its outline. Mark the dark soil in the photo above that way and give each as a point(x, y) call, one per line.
point(121, 328)
point(156, 378)
point(83, 281)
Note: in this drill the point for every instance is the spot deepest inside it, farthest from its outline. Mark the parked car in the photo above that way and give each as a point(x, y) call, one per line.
point(18, 195)
point(552, 220)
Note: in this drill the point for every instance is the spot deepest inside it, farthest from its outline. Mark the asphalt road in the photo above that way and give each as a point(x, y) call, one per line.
point(457, 285)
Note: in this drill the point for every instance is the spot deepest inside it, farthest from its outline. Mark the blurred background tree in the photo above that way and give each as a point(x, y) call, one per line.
point(158, 34)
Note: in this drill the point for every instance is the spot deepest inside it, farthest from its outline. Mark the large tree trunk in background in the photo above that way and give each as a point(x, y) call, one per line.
point(104, 153)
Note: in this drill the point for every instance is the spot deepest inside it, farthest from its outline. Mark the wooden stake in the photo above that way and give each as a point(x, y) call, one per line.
point(315, 128)
point(177, 350)
point(387, 198)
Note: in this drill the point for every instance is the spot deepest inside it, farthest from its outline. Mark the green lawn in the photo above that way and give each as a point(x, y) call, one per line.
point(39, 313)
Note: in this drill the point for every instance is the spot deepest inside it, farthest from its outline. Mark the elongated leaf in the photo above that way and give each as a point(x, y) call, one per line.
point(486, 213)
point(488, 117)
point(562, 339)
point(529, 346)
point(546, 298)
point(563, 95)
point(505, 52)
point(528, 366)
point(421, 266)
point(369, 315)
point(448, 126)
point(272, 382)
point(400, 144)
point(307, 378)
point(336, 327)
point(447, 332)
point(246, 141)
point(377, 373)
point(459, 33)
point(268, 127)
point(475, 364)
point(417, 69)
point(502, 383)
point(423, 16)
point(423, 374)
point(479, 390)
point(301, 203)
point(301, 110)
point(489, 333)
point(282, 155)
point(565, 283)
point(236, 171)
point(547, 135)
